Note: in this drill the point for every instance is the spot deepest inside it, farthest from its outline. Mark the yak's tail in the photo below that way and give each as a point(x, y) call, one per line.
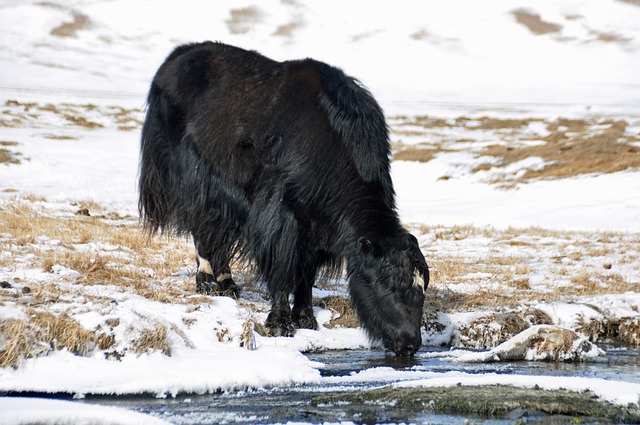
point(159, 127)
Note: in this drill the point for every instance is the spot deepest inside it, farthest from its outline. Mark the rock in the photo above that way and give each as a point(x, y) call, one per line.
point(539, 343)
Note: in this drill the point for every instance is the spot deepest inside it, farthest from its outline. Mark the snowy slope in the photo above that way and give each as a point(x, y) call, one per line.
point(458, 51)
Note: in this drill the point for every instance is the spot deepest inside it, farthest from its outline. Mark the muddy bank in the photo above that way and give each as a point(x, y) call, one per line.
point(497, 402)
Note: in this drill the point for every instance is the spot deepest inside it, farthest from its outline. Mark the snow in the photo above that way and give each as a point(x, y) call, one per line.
point(186, 371)
point(417, 57)
point(592, 202)
point(23, 410)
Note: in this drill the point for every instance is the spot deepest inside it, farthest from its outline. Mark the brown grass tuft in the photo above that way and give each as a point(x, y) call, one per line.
point(554, 345)
point(43, 333)
point(629, 331)
point(152, 340)
point(488, 331)
point(604, 152)
point(9, 157)
point(347, 316)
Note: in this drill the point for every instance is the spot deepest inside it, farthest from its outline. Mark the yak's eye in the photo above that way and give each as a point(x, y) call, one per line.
point(418, 282)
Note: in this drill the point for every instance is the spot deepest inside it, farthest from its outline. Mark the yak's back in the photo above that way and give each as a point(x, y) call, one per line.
point(244, 98)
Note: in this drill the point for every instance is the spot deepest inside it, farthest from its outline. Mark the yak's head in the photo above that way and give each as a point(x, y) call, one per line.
point(387, 281)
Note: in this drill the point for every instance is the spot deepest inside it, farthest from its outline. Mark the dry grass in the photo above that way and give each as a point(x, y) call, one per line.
point(473, 269)
point(101, 250)
point(9, 157)
point(43, 332)
point(69, 115)
point(414, 153)
point(629, 331)
point(347, 316)
point(571, 156)
point(505, 280)
point(488, 331)
point(152, 340)
point(488, 123)
point(572, 146)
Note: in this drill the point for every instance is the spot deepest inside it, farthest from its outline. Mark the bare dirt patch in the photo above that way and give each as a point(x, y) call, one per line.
point(243, 20)
point(16, 114)
point(606, 151)
point(568, 147)
point(80, 22)
point(288, 30)
point(534, 23)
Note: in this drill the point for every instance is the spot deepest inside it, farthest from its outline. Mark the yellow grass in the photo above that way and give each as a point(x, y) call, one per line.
point(105, 249)
point(572, 147)
point(43, 332)
point(151, 340)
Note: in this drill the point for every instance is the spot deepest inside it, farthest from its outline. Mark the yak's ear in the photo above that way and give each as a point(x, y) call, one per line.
point(365, 245)
point(368, 247)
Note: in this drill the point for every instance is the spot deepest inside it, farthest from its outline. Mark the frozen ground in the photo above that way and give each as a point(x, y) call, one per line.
point(507, 251)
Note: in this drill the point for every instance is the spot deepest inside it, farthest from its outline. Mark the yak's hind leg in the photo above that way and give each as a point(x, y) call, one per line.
point(213, 276)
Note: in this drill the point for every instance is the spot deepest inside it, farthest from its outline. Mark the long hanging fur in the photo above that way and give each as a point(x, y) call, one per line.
point(358, 119)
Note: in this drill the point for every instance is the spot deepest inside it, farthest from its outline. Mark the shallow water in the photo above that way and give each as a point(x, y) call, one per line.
point(293, 404)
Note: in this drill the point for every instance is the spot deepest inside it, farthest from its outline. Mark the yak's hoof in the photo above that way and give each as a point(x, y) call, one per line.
point(305, 320)
point(279, 326)
point(206, 284)
point(229, 288)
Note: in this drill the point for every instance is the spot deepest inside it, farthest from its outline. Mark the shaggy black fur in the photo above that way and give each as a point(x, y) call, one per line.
point(287, 165)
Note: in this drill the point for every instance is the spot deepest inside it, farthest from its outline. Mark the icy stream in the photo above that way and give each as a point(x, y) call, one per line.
point(294, 405)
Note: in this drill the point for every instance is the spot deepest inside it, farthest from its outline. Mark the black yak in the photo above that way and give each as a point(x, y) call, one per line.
point(285, 164)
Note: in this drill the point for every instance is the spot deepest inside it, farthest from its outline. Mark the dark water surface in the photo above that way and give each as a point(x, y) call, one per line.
point(293, 404)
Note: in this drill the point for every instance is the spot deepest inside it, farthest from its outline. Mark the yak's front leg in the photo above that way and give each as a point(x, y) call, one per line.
point(302, 314)
point(279, 320)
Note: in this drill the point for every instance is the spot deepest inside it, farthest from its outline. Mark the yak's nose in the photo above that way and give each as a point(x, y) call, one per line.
point(407, 347)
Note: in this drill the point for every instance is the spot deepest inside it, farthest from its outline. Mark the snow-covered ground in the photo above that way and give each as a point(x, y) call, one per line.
point(63, 59)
